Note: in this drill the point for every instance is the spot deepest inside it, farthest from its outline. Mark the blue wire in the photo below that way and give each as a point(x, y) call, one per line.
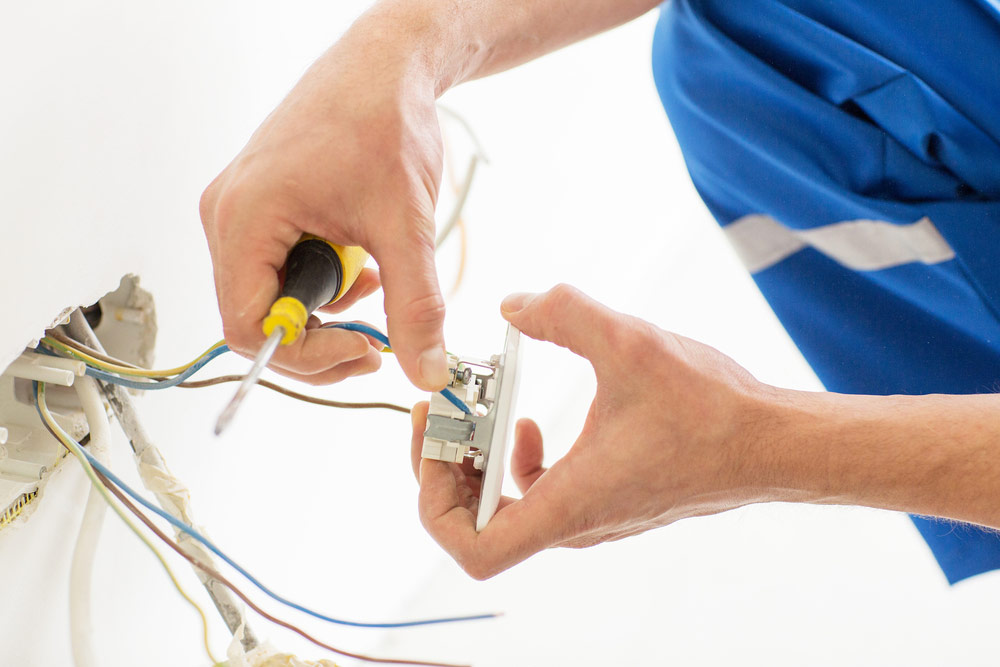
point(382, 338)
point(180, 525)
point(177, 379)
point(161, 384)
point(456, 401)
point(360, 328)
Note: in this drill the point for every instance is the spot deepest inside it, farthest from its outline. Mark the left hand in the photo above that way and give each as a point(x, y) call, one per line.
point(675, 430)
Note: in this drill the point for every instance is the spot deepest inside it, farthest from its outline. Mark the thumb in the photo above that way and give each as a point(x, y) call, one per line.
point(526, 460)
point(414, 306)
point(565, 316)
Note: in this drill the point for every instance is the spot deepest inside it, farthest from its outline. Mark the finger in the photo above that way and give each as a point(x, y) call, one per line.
point(413, 303)
point(369, 363)
point(367, 283)
point(567, 317)
point(418, 420)
point(526, 459)
point(317, 350)
point(246, 268)
point(375, 342)
point(518, 529)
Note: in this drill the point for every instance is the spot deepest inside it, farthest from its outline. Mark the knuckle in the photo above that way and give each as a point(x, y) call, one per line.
point(225, 203)
point(354, 346)
point(418, 230)
point(206, 204)
point(563, 291)
point(634, 338)
point(322, 378)
point(477, 568)
point(374, 362)
point(426, 309)
point(238, 337)
point(561, 294)
point(556, 299)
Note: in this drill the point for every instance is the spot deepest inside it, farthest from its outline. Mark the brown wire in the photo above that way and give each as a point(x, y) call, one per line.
point(197, 384)
point(80, 347)
point(212, 572)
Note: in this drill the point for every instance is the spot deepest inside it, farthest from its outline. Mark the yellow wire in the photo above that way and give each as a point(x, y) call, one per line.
point(125, 370)
point(74, 448)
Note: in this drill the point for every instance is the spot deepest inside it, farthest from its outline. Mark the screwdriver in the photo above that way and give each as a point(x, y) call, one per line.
point(317, 273)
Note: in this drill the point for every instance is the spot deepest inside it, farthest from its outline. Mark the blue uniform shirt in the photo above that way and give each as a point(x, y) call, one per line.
point(851, 151)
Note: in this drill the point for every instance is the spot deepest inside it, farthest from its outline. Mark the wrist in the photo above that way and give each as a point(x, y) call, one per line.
point(789, 455)
point(418, 39)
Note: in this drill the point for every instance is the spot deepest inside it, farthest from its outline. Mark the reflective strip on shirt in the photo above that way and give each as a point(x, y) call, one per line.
point(861, 245)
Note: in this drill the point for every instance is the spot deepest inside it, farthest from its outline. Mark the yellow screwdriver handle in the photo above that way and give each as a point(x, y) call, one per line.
point(317, 274)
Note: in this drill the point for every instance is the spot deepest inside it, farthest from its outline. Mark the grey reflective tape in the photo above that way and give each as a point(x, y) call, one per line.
point(862, 245)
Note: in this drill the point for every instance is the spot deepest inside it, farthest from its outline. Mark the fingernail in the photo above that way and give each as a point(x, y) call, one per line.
point(515, 302)
point(433, 367)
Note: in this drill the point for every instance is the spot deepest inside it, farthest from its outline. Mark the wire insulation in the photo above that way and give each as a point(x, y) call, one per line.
point(382, 338)
point(241, 595)
point(130, 369)
point(196, 366)
point(86, 460)
point(81, 572)
point(95, 367)
point(198, 384)
point(180, 525)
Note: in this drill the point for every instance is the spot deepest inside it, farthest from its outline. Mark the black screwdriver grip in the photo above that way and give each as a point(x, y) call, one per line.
point(313, 274)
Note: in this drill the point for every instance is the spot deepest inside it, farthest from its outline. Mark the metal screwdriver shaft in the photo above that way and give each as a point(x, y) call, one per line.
point(259, 363)
point(317, 273)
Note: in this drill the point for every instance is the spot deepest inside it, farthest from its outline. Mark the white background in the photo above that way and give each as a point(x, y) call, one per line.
point(115, 115)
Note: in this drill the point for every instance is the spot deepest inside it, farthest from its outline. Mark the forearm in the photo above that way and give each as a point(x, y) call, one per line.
point(459, 40)
point(935, 455)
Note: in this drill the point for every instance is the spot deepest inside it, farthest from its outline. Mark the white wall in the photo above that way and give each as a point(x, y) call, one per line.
point(117, 114)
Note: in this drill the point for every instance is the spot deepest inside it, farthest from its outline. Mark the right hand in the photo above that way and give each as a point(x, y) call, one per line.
point(676, 429)
point(353, 155)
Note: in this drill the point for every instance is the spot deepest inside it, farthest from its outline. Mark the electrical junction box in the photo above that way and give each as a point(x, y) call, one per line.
point(125, 322)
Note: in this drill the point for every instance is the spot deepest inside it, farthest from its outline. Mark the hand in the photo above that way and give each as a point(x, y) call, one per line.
point(353, 155)
point(673, 432)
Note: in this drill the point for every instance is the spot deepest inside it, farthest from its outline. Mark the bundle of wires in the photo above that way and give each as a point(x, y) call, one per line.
point(115, 371)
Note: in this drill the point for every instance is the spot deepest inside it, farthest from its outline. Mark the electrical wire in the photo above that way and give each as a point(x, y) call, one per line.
point(382, 338)
point(84, 551)
point(463, 256)
point(95, 366)
point(456, 219)
point(129, 369)
point(86, 461)
point(152, 469)
point(180, 525)
point(81, 347)
point(210, 571)
point(461, 192)
point(196, 366)
point(198, 384)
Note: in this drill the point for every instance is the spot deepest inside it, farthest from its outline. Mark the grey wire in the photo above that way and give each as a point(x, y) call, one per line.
point(121, 403)
point(478, 155)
